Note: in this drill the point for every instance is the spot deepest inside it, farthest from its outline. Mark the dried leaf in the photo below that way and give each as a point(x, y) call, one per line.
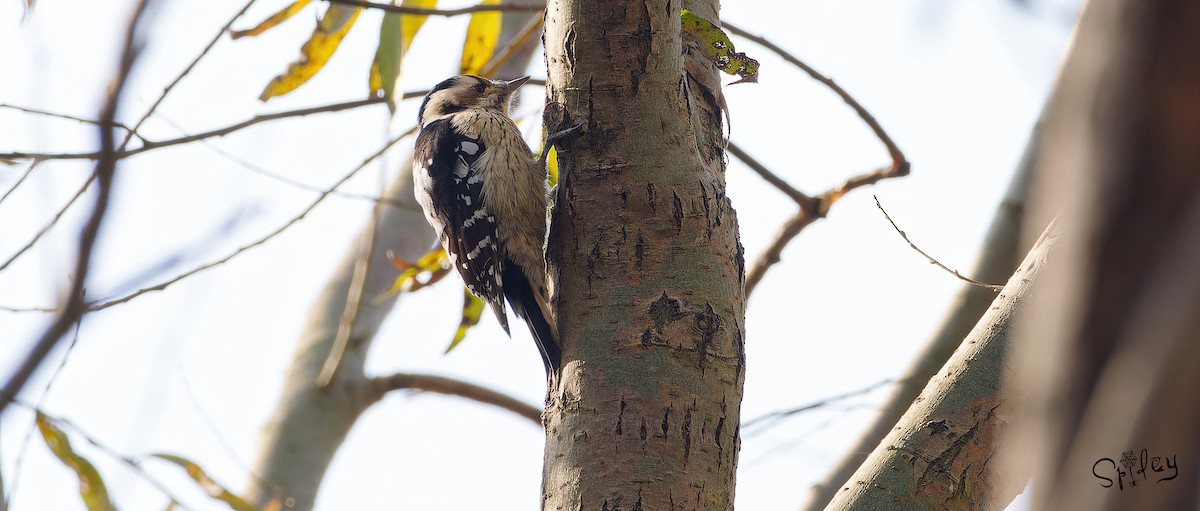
point(275, 19)
point(91, 485)
point(206, 483)
point(316, 51)
point(718, 48)
point(472, 310)
point(483, 34)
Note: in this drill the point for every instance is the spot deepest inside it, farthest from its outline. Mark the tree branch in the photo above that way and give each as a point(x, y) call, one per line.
point(75, 307)
point(453, 387)
point(95, 306)
point(806, 216)
point(902, 165)
point(930, 258)
point(811, 209)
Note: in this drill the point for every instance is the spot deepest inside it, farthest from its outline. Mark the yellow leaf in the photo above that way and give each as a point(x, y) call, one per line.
point(206, 483)
point(412, 23)
point(552, 166)
point(316, 51)
point(396, 33)
point(275, 19)
point(91, 485)
point(472, 310)
point(718, 48)
point(483, 33)
point(435, 264)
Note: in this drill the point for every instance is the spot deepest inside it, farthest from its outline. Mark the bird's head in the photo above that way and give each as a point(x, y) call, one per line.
point(467, 92)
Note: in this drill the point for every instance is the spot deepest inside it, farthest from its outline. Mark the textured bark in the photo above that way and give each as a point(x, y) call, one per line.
point(648, 268)
point(1110, 359)
point(997, 260)
point(938, 455)
point(309, 424)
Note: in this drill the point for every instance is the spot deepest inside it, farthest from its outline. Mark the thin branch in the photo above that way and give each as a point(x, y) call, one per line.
point(894, 151)
point(28, 171)
point(163, 285)
point(452, 387)
point(76, 307)
point(960, 276)
point(806, 216)
point(780, 414)
point(441, 12)
point(132, 130)
point(53, 221)
point(354, 295)
point(285, 179)
point(802, 199)
point(811, 209)
point(36, 111)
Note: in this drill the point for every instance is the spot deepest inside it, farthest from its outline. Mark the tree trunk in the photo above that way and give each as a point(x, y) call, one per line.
point(1110, 359)
point(648, 269)
point(937, 457)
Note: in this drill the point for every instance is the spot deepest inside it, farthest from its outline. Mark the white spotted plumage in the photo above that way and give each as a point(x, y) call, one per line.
point(485, 195)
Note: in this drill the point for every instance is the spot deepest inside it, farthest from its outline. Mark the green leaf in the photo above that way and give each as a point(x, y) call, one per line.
point(396, 33)
point(91, 485)
point(325, 39)
point(483, 34)
point(718, 48)
point(206, 483)
point(472, 310)
point(275, 19)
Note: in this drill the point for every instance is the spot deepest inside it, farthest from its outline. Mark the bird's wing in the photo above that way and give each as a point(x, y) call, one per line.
point(469, 232)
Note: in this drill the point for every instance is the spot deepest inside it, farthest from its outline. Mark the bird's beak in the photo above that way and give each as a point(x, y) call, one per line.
point(513, 85)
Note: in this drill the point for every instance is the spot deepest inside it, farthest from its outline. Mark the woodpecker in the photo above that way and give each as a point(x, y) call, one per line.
point(485, 195)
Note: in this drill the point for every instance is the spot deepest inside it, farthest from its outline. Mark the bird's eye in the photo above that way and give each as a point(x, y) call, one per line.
point(479, 89)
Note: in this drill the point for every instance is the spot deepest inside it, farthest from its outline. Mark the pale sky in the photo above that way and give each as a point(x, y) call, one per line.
point(195, 370)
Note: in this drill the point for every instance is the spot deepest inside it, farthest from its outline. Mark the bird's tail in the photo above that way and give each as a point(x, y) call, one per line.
point(531, 307)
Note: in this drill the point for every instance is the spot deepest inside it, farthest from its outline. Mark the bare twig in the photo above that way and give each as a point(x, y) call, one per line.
point(354, 294)
point(767, 419)
point(105, 169)
point(441, 12)
point(960, 276)
point(163, 285)
point(28, 171)
point(811, 208)
point(132, 131)
point(452, 387)
point(802, 199)
point(893, 150)
point(36, 111)
point(806, 216)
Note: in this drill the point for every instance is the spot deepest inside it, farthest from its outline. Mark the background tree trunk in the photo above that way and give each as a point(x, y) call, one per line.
point(938, 455)
point(648, 268)
point(1110, 358)
point(997, 260)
